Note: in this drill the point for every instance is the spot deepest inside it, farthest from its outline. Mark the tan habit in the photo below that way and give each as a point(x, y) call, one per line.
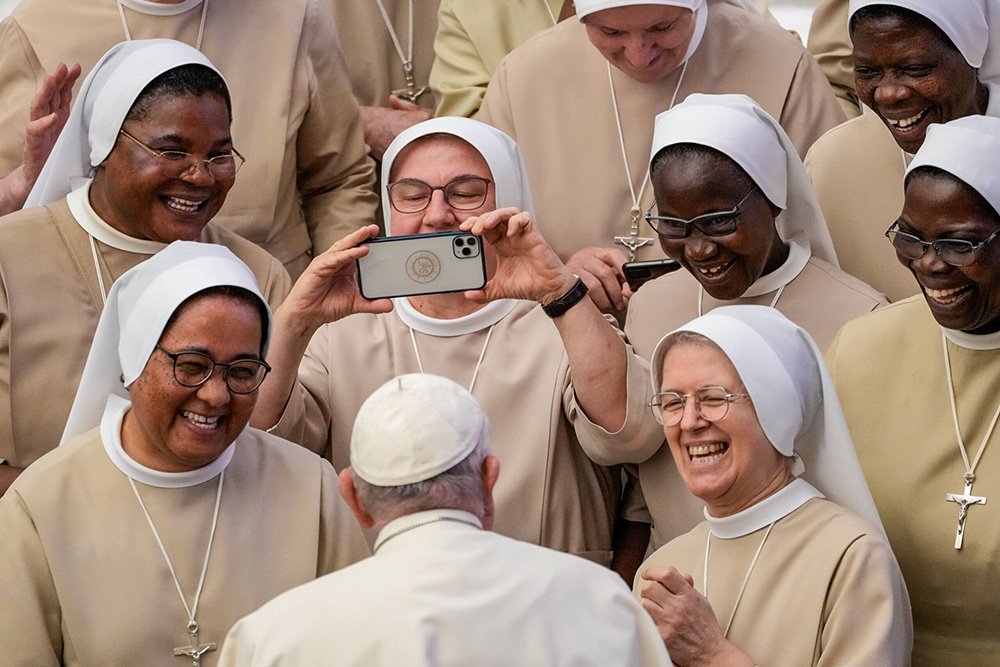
point(572, 149)
point(889, 371)
point(549, 492)
point(824, 591)
point(372, 61)
point(49, 306)
point(830, 43)
point(294, 117)
point(85, 582)
point(857, 172)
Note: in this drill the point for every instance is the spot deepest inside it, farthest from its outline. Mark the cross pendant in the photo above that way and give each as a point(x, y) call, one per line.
point(194, 651)
point(633, 241)
point(964, 501)
point(411, 92)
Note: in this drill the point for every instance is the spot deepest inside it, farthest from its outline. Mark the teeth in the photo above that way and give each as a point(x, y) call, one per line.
point(706, 450)
point(185, 205)
point(907, 122)
point(200, 420)
point(712, 271)
point(942, 293)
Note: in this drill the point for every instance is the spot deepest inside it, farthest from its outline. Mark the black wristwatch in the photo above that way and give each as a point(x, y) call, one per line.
point(559, 307)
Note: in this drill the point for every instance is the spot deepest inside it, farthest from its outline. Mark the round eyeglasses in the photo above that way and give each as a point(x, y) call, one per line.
point(717, 223)
point(712, 403)
point(956, 252)
point(192, 369)
point(462, 194)
point(178, 163)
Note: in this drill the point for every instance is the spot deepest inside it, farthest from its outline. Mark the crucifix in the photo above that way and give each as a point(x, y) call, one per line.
point(633, 241)
point(194, 651)
point(964, 500)
point(411, 92)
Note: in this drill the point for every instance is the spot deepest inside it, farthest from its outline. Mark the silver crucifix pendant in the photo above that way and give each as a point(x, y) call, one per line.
point(411, 92)
point(633, 241)
point(194, 651)
point(964, 500)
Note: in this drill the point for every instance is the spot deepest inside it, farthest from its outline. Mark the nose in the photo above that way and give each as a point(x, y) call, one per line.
point(691, 419)
point(890, 90)
point(198, 174)
point(438, 213)
point(214, 390)
point(699, 247)
point(641, 51)
point(929, 262)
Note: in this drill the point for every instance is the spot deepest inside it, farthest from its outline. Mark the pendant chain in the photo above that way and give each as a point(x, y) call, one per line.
point(475, 374)
point(201, 27)
point(746, 578)
point(970, 469)
point(407, 58)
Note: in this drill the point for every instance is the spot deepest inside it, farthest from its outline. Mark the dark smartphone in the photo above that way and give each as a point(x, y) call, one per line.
point(421, 264)
point(637, 273)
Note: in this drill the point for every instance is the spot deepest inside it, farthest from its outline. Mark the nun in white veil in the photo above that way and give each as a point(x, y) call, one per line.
point(500, 343)
point(162, 519)
point(791, 566)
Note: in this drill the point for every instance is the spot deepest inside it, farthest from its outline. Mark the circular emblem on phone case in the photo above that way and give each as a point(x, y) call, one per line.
point(423, 266)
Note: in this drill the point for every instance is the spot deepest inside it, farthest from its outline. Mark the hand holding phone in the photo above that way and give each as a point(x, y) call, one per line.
point(638, 273)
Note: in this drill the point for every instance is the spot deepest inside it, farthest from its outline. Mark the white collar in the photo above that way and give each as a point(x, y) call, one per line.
point(160, 8)
point(483, 318)
point(774, 507)
point(111, 429)
point(973, 341)
point(86, 217)
point(419, 519)
point(798, 257)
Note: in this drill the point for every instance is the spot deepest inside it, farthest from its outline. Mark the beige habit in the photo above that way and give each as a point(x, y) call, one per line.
point(830, 43)
point(50, 301)
point(572, 149)
point(307, 181)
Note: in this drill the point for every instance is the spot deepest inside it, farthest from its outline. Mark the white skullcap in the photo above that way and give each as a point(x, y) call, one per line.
point(964, 21)
point(737, 127)
point(585, 7)
point(968, 148)
point(139, 306)
point(105, 97)
point(413, 428)
point(793, 395)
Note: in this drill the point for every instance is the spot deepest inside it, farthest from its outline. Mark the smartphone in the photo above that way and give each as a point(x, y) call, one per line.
point(417, 264)
point(637, 273)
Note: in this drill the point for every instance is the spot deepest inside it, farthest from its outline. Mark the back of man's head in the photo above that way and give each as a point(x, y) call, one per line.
point(420, 442)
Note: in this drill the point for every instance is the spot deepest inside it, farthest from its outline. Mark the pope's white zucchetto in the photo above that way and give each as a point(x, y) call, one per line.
point(969, 149)
point(415, 427)
point(793, 396)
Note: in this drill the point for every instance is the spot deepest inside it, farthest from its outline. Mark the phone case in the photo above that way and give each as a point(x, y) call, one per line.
point(422, 264)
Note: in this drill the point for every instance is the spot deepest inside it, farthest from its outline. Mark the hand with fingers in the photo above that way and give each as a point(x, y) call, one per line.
point(601, 270)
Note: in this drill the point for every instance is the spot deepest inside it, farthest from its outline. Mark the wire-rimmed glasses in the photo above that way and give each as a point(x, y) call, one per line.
point(716, 223)
point(956, 252)
point(463, 194)
point(711, 402)
point(178, 163)
point(192, 369)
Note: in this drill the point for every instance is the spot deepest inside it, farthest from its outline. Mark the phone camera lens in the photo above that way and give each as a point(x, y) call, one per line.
point(466, 251)
point(459, 242)
point(473, 241)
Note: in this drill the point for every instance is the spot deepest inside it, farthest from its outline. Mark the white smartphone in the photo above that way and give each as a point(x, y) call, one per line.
point(432, 263)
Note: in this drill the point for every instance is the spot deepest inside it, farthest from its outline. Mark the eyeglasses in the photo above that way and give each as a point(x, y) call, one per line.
point(956, 252)
point(178, 163)
point(712, 403)
point(718, 223)
point(462, 194)
point(192, 369)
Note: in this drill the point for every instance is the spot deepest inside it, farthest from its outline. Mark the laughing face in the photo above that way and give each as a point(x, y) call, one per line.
point(729, 464)
point(965, 298)
point(705, 182)
point(139, 195)
point(174, 428)
point(646, 42)
point(911, 75)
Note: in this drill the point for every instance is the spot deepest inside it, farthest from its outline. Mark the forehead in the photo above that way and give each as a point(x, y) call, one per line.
point(904, 29)
point(943, 202)
point(194, 117)
point(439, 156)
point(689, 365)
point(700, 175)
point(635, 17)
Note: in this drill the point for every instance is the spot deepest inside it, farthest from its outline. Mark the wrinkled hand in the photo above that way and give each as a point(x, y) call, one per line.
point(685, 620)
point(601, 271)
point(527, 267)
point(328, 289)
point(49, 112)
point(382, 124)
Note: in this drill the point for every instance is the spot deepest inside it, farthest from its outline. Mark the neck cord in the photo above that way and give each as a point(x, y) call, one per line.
point(192, 610)
point(970, 470)
point(97, 267)
point(746, 578)
point(621, 137)
point(201, 27)
point(549, 10)
point(475, 374)
point(405, 60)
point(701, 297)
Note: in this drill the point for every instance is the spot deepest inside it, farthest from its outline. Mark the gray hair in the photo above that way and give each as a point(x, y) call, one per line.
point(460, 487)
